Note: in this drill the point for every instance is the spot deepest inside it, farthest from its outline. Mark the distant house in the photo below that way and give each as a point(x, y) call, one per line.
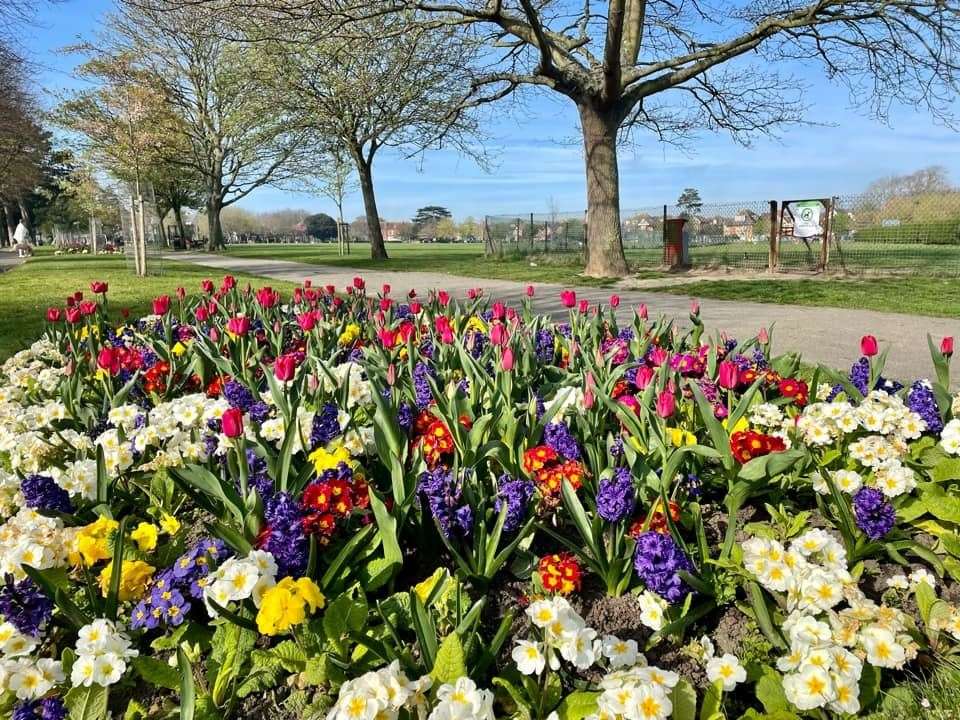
point(392, 231)
point(641, 222)
point(741, 225)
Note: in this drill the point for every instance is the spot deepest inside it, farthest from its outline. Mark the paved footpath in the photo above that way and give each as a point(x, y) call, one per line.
point(824, 335)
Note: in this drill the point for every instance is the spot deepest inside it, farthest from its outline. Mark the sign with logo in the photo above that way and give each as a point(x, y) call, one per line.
point(806, 218)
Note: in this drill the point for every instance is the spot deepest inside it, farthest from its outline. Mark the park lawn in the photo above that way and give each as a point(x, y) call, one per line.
point(46, 280)
point(452, 259)
point(913, 295)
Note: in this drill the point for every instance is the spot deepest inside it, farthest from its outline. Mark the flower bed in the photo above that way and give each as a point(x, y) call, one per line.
point(357, 505)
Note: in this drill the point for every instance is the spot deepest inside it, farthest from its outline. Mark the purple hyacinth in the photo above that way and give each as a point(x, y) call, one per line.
point(258, 477)
point(405, 416)
point(615, 496)
point(558, 436)
point(421, 385)
point(259, 412)
point(658, 562)
point(921, 400)
point(693, 485)
point(40, 492)
point(238, 395)
point(874, 515)
point(46, 709)
point(326, 426)
point(443, 496)
point(25, 606)
point(544, 346)
point(516, 495)
point(616, 448)
point(286, 540)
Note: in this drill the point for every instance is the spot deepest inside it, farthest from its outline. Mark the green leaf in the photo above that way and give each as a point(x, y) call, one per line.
point(578, 705)
point(156, 672)
point(188, 693)
point(684, 700)
point(770, 692)
point(768, 466)
point(869, 685)
point(451, 663)
point(712, 702)
point(926, 597)
point(87, 703)
point(946, 507)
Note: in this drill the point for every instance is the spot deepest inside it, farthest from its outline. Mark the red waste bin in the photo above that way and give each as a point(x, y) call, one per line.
point(673, 243)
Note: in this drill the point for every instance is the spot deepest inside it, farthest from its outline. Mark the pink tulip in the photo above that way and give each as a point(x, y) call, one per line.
point(658, 356)
point(161, 305)
point(498, 311)
point(868, 345)
point(385, 303)
point(588, 399)
point(498, 334)
point(307, 321)
point(530, 291)
point(239, 325)
point(506, 360)
point(267, 297)
point(388, 338)
point(232, 422)
point(284, 368)
point(614, 301)
point(728, 375)
point(386, 289)
point(694, 307)
point(584, 306)
point(391, 374)
point(568, 298)
point(201, 314)
point(644, 375)
point(181, 293)
point(415, 307)
point(946, 346)
point(358, 283)
point(207, 286)
point(443, 297)
point(666, 403)
point(763, 336)
point(643, 312)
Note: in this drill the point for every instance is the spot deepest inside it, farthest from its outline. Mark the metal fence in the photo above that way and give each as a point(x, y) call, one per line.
point(856, 234)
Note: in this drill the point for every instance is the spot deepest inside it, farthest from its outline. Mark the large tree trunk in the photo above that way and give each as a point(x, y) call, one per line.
point(11, 225)
point(378, 250)
point(181, 231)
point(604, 248)
point(25, 216)
point(214, 206)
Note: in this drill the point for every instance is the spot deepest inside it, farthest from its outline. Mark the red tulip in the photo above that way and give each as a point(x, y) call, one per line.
point(529, 290)
point(109, 359)
point(267, 297)
point(498, 311)
point(71, 302)
point(415, 307)
point(239, 325)
point(443, 297)
point(498, 334)
point(207, 286)
point(568, 298)
point(666, 403)
point(386, 289)
point(644, 375)
point(584, 306)
point(614, 301)
point(125, 313)
point(506, 360)
point(78, 296)
point(330, 289)
point(946, 346)
point(229, 282)
point(285, 367)
point(868, 345)
point(232, 422)
point(728, 375)
point(201, 314)
point(54, 314)
point(87, 308)
point(161, 305)
point(98, 287)
point(388, 338)
point(73, 315)
point(358, 283)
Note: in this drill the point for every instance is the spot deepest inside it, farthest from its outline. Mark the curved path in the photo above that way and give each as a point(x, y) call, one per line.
point(824, 335)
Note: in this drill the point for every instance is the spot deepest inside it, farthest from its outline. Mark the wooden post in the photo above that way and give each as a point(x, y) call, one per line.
point(827, 229)
point(773, 259)
point(134, 241)
point(93, 235)
point(546, 244)
point(663, 235)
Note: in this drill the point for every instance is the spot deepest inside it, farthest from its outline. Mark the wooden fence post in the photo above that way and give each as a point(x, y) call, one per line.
point(773, 259)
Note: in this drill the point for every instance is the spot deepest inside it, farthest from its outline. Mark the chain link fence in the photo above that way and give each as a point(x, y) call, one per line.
point(855, 234)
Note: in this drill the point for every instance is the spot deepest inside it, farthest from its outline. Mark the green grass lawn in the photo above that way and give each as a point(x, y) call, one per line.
point(45, 280)
point(453, 259)
point(913, 295)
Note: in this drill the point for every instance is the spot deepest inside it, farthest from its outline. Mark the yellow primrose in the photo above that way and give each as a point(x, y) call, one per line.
point(135, 577)
point(169, 524)
point(324, 459)
point(740, 426)
point(285, 605)
point(91, 543)
point(145, 536)
point(680, 437)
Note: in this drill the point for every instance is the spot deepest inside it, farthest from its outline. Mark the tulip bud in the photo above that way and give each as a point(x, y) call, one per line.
point(614, 301)
point(391, 374)
point(763, 337)
point(584, 306)
point(506, 360)
point(666, 403)
point(868, 345)
point(642, 311)
point(530, 291)
point(946, 346)
point(285, 367)
point(728, 375)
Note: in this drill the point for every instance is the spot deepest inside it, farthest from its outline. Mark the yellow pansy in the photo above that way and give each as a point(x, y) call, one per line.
point(740, 426)
point(91, 543)
point(680, 437)
point(178, 349)
point(475, 323)
point(286, 603)
point(145, 536)
point(324, 459)
point(169, 524)
point(135, 577)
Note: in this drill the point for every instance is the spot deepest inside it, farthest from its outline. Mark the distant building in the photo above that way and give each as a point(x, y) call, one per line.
point(742, 225)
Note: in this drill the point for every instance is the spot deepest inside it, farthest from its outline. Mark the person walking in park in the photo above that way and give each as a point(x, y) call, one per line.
point(21, 239)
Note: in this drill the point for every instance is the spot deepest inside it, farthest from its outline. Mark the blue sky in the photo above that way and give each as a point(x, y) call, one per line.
point(538, 159)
